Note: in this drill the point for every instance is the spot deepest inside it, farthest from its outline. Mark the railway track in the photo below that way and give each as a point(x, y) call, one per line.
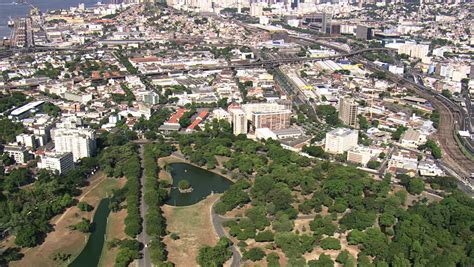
point(450, 117)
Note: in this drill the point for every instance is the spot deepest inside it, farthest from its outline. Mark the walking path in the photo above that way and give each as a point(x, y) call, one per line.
point(217, 222)
point(143, 237)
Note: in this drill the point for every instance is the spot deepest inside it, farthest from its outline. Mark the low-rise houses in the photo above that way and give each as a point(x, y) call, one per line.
point(412, 138)
point(403, 161)
point(362, 155)
point(198, 120)
point(172, 124)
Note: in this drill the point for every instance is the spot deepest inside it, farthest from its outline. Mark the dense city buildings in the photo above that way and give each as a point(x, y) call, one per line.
point(303, 133)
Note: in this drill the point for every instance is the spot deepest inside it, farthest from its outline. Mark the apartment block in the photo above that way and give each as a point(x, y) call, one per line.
point(79, 141)
point(348, 109)
point(341, 140)
point(54, 161)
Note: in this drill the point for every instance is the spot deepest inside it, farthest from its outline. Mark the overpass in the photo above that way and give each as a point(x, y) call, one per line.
point(248, 64)
point(267, 63)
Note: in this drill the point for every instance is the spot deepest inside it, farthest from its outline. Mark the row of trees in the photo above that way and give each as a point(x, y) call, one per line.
point(9, 130)
point(129, 250)
point(155, 197)
point(10, 100)
point(123, 161)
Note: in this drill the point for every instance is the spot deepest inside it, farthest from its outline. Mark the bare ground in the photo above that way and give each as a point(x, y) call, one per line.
point(194, 227)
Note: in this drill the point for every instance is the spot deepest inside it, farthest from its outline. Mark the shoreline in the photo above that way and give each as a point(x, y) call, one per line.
point(18, 11)
point(175, 159)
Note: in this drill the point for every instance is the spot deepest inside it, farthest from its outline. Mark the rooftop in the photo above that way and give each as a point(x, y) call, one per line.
point(342, 132)
point(26, 108)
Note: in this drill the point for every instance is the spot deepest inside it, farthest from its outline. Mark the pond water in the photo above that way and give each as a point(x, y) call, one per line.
point(90, 255)
point(202, 181)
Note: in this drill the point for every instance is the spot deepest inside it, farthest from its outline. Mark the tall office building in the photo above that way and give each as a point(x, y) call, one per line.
point(348, 111)
point(79, 141)
point(364, 32)
point(318, 21)
point(341, 140)
point(239, 121)
point(150, 97)
point(256, 10)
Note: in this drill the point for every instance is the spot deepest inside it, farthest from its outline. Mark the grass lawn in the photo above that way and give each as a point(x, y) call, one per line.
point(193, 226)
point(63, 240)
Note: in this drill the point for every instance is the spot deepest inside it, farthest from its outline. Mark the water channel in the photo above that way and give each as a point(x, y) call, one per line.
point(90, 255)
point(202, 181)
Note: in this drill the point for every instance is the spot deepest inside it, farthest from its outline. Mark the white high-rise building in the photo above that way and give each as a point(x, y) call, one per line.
point(261, 107)
point(54, 161)
point(256, 10)
point(239, 121)
point(150, 97)
point(267, 115)
point(79, 141)
point(414, 50)
point(18, 153)
point(341, 140)
point(27, 140)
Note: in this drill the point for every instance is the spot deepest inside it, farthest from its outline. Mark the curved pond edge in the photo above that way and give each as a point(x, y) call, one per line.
point(203, 181)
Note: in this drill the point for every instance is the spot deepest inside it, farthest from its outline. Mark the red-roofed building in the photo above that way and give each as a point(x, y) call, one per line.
point(233, 106)
point(95, 75)
point(174, 119)
point(105, 21)
point(145, 59)
point(197, 121)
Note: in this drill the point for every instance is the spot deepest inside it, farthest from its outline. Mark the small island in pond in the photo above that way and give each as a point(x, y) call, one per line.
point(184, 186)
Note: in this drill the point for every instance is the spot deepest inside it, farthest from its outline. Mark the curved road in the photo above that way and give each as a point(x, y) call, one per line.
point(217, 222)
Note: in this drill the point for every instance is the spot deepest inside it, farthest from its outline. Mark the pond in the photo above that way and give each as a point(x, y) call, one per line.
point(202, 181)
point(90, 255)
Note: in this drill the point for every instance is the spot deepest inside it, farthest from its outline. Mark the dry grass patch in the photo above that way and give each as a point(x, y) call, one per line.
point(194, 227)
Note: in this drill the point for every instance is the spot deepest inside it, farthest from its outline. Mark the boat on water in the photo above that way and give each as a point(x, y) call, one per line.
point(11, 22)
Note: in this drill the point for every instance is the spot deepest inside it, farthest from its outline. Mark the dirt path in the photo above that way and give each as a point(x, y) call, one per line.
point(94, 185)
